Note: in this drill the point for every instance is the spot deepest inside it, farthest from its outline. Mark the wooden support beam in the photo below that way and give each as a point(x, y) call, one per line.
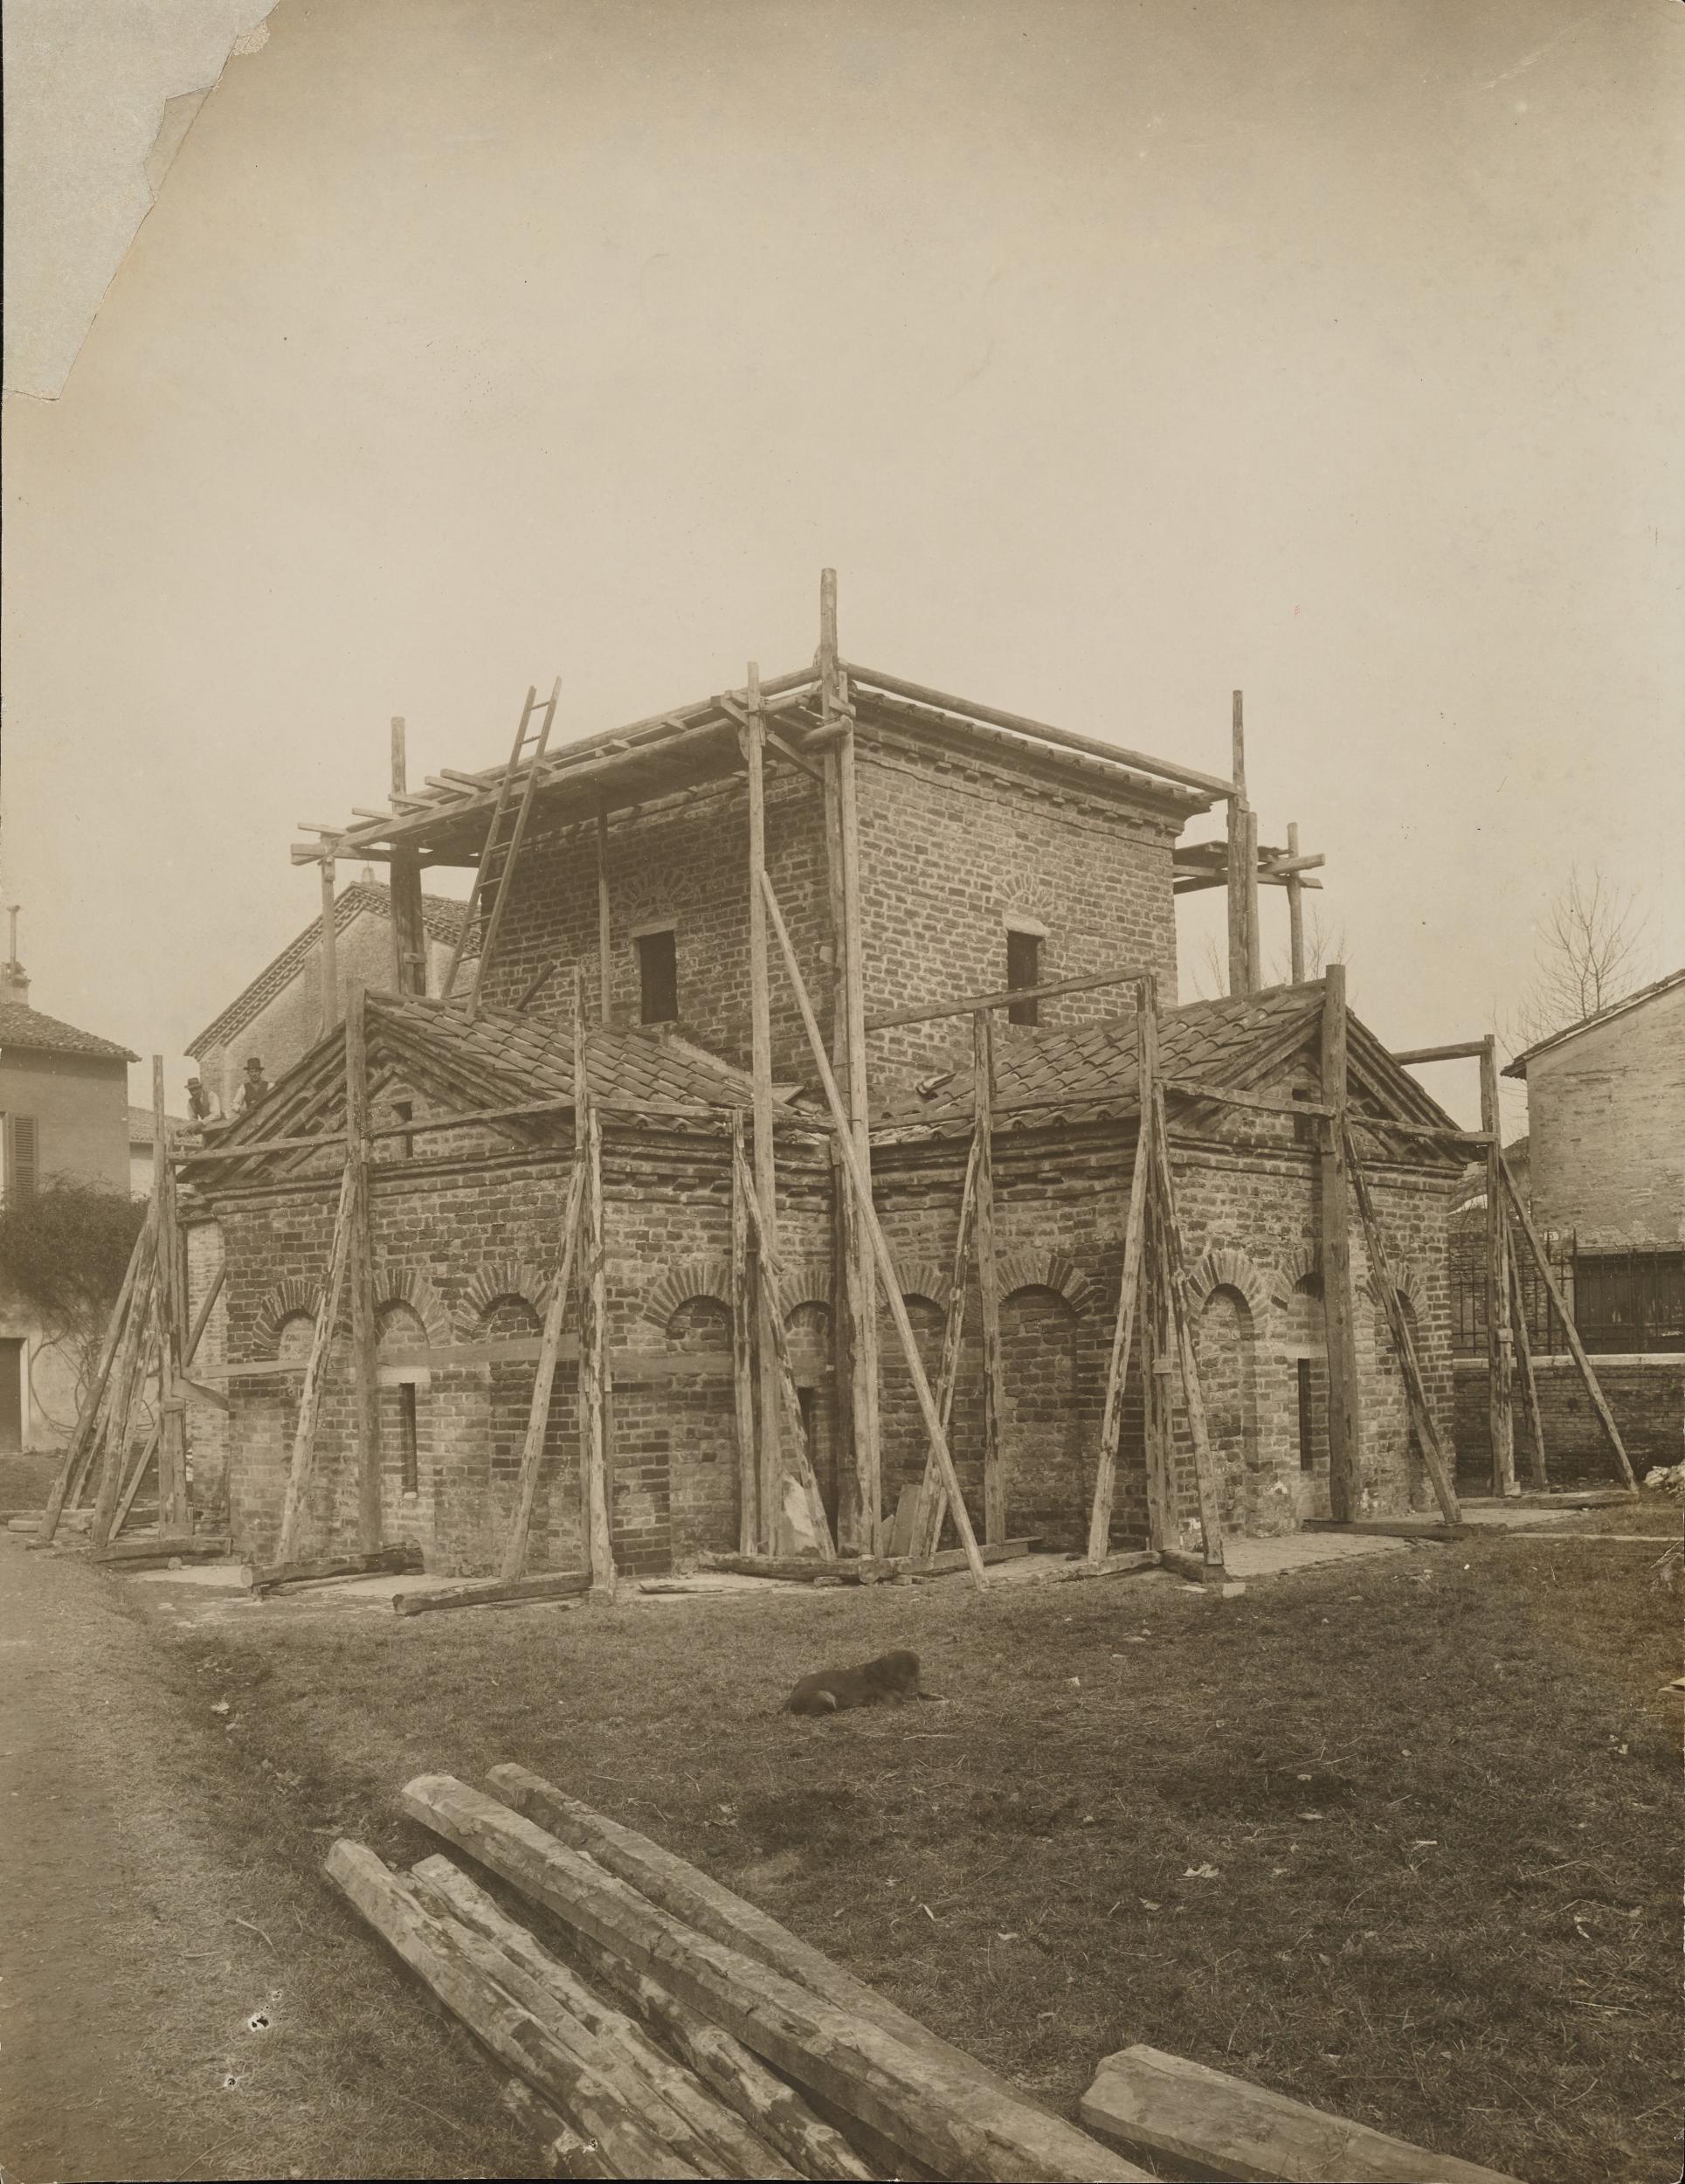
point(270, 1577)
point(1499, 1341)
point(85, 1439)
point(994, 1384)
point(743, 1352)
point(768, 1499)
point(409, 927)
point(329, 965)
point(1254, 922)
point(172, 1279)
point(1220, 1095)
point(1296, 887)
point(1570, 1332)
point(1441, 1467)
point(129, 1377)
point(1175, 1277)
point(538, 1414)
point(1135, 1230)
point(796, 1461)
point(930, 1502)
point(605, 921)
point(1005, 997)
point(549, 1585)
point(360, 1270)
point(1524, 1361)
point(1467, 1050)
point(1339, 1307)
point(315, 1373)
point(951, 2120)
point(885, 1261)
point(867, 1498)
point(594, 1371)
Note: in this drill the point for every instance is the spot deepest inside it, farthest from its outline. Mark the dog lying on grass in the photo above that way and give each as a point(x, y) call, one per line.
point(889, 1679)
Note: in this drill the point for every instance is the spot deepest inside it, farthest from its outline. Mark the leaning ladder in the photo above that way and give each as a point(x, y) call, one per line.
point(503, 839)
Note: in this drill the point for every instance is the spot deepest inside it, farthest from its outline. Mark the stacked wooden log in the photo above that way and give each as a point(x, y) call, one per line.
point(655, 2024)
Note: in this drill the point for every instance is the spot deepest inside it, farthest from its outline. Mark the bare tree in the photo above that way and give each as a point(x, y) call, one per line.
point(1590, 953)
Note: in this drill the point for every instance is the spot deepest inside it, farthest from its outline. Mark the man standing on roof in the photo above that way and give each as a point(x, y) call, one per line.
point(254, 1088)
point(203, 1106)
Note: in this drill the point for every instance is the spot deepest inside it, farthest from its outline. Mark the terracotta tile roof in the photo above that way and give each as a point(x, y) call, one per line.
point(140, 1126)
point(441, 917)
point(21, 1026)
point(532, 1057)
point(1094, 1066)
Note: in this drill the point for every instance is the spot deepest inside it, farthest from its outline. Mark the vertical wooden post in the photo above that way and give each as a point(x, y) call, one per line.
point(593, 1330)
point(316, 1371)
point(329, 950)
point(1339, 1313)
point(121, 1385)
point(604, 928)
point(1131, 1304)
point(1525, 1362)
point(862, 1288)
point(1254, 922)
point(931, 1504)
point(742, 1371)
point(994, 1480)
point(769, 1491)
point(409, 933)
point(1174, 1275)
point(1295, 910)
point(1242, 863)
point(172, 1458)
point(1499, 1341)
point(365, 1331)
point(1157, 1364)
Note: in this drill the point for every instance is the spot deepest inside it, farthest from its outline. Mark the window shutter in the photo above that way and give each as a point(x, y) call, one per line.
point(22, 1168)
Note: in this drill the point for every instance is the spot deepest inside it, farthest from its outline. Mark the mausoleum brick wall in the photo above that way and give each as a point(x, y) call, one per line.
point(1646, 1394)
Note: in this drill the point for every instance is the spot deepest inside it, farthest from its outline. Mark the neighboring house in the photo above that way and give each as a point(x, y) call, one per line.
point(64, 1094)
point(279, 1016)
point(988, 859)
point(1606, 1186)
point(142, 1137)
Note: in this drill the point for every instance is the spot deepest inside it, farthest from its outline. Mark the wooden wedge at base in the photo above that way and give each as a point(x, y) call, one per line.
point(448, 1893)
point(935, 2104)
point(562, 2152)
point(397, 1561)
point(454, 1966)
point(1212, 1575)
point(1215, 2126)
point(558, 1585)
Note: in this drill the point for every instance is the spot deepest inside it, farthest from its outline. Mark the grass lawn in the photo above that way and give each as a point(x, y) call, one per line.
point(1398, 1837)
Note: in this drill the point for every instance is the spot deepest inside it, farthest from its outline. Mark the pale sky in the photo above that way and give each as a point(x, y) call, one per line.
point(1114, 355)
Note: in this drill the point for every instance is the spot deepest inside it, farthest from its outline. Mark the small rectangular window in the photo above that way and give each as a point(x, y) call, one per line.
point(1307, 1429)
point(657, 977)
point(410, 1448)
point(1304, 1126)
point(404, 1110)
point(1024, 968)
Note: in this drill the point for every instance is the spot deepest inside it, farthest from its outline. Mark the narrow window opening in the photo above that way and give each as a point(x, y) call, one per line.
point(404, 1110)
point(1307, 1429)
point(658, 978)
point(1304, 1126)
point(1024, 968)
point(407, 1405)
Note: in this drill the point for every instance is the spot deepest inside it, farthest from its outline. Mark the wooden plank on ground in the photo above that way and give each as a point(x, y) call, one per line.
point(556, 1585)
point(862, 1569)
point(396, 1561)
point(1390, 1527)
point(1167, 2110)
point(945, 2113)
point(461, 1970)
point(163, 1547)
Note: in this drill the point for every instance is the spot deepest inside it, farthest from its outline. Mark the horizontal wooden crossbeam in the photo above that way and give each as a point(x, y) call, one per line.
point(1007, 997)
point(1466, 1050)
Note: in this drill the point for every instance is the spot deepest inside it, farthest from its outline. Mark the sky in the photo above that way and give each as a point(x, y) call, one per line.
point(1116, 355)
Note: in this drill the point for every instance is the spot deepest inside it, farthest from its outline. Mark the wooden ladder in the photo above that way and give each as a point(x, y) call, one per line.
point(503, 839)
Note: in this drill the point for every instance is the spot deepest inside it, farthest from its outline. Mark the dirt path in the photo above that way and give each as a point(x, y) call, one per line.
point(125, 1985)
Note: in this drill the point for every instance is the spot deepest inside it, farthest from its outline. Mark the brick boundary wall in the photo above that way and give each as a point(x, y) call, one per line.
point(1647, 1395)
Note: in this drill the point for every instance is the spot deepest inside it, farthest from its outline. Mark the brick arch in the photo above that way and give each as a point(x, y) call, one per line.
point(285, 1300)
point(693, 1277)
point(504, 1277)
point(1304, 1265)
point(806, 1281)
point(1045, 1270)
point(1225, 1268)
point(928, 1279)
point(1412, 1285)
point(407, 1287)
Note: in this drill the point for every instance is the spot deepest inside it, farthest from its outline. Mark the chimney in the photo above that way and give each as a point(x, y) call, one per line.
point(14, 979)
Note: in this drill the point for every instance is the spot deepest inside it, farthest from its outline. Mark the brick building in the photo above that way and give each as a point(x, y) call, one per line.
point(989, 858)
point(279, 1016)
point(1606, 1111)
point(64, 1111)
